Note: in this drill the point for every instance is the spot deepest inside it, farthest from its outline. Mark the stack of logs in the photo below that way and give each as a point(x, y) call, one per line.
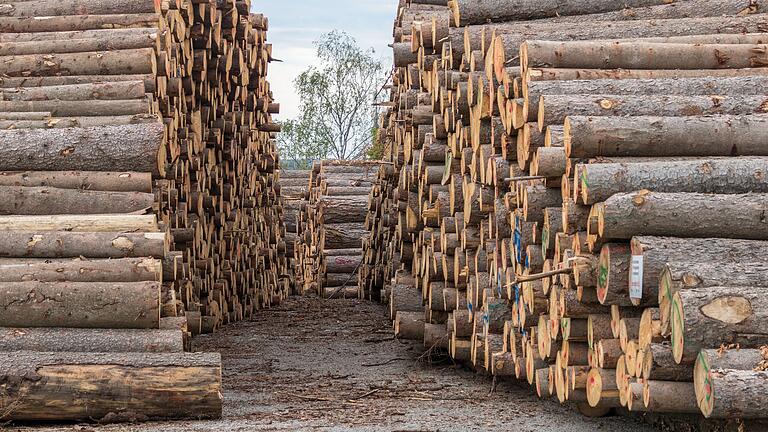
point(332, 229)
point(585, 215)
point(138, 184)
point(294, 191)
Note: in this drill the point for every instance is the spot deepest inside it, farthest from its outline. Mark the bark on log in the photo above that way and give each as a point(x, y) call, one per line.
point(732, 393)
point(82, 22)
point(109, 148)
point(131, 61)
point(37, 8)
point(110, 387)
point(598, 182)
point(565, 74)
point(409, 326)
point(91, 340)
point(80, 304)
point(342, 263)
point(66, 244)
point(15, 200)
point(150, 81)
point(110, 40)
point(120, 90)
point(342, 235)
point(89, 108)
point(725, 135)
point(613, 274)
point(740, 216)
point(670, 397)
point(592, 54)
point(707, 317)
point(81, 122)
point(553, 109)
point(80, 223)
point(659, 364)
point(342, 209)
point(81, 270)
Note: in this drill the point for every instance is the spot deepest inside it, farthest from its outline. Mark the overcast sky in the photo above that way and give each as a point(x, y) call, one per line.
point(295, 24)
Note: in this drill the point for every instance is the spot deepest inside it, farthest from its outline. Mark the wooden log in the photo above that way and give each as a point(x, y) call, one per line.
point(82, 22)
point(681, 136)
point(76, 7)
point(90, 180)
point(733, 393)
point(613, 274)
point(553, 109)
point(15, 200)
point(342, 263)
point(83, 108)
point(623, 216)
point(435, 336)
point(342, 235)
point(91, 340)
point(111, 148)
point(342, 209)
point(706, 317)
point(80, 223)
point(152, 83)
point(120, 90)
point(110, 387)
point(409, 325)
point(586, 54)
point(80, 304)
point(599, 182)
point(79, 122)
point(81, 270)
point(66, 244)
point(121, 39)
point(669, 397)
point(130, 61)
point(659, 364)
point(601, 387)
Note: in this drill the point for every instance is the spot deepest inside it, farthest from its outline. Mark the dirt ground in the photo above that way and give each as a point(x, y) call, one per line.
point(319, 365)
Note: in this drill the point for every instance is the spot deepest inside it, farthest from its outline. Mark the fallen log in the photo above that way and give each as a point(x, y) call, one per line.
point(91, 340)
point(80, 304)
point(110, 387)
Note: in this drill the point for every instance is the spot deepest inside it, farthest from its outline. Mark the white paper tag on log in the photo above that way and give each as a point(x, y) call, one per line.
point(636, 278)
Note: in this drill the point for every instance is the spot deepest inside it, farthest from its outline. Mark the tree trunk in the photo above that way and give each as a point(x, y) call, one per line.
point(693, 86)
point(342, 235)
point(553, 109)
point(109, 148)
point(659, 252)
point(66, 244)
point(110, 387)
point(726, 176)
point(623, 216)
point(81, 270)
point(342, 209)
point(91, 340)
point(587, 137)
point(80, 304)
point(131, 61)
point(120, 90)
point(732, 393)
point(708, 317)
point(86, 108)
point(97, 181)
point(590, 54)
point(15, 200)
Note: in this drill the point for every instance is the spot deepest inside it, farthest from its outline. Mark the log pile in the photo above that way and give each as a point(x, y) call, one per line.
point(581, 213)
point(294, 190)
point(332, 229)
point(138, 177)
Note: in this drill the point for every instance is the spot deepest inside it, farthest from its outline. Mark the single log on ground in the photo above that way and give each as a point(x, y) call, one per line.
point(598, 182)
point(81, 270)
point(110, 148)
point(16, 200)
point(80, 304)
point(591, 54)
point(90, 180)
point(66, 244)
point(706, 317)
point(110, 387)
point(726, 135)
point(740, 216)
point(553, 109)
point(91, 340)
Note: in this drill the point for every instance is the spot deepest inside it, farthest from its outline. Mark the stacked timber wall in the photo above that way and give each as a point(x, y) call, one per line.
point(579, 198)
point(138, 187)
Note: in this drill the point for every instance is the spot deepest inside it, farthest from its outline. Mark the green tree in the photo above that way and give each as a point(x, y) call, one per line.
point(338, 114)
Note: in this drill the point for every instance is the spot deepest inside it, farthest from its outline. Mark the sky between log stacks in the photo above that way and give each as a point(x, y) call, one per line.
point(295, 24)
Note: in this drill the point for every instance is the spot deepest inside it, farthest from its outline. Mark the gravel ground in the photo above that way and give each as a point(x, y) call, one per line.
point(318, 365)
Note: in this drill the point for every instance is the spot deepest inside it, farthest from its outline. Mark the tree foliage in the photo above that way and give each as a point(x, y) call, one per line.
point(337, 114)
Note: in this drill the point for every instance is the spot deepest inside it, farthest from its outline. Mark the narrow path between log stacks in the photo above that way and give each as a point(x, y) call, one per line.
point(332, 365)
